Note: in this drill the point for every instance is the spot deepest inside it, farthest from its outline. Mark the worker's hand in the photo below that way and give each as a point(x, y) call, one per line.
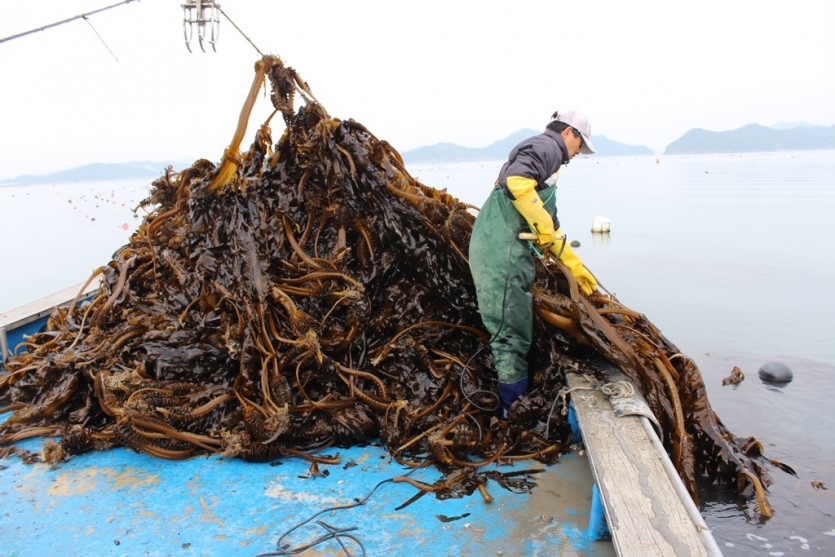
point(584, 278)
point(539, 220)
point(544, 241)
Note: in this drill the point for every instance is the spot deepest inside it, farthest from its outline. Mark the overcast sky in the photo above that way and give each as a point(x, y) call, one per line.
point(414, 73)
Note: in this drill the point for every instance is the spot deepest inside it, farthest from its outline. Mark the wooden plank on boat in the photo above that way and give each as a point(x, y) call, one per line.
point(33, 311)
point(645, 512)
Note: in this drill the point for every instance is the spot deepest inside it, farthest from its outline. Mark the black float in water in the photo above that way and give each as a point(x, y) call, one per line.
point(775, 372)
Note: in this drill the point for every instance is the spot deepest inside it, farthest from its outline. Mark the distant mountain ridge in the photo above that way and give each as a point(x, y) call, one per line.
point(498, 150)
point(751, 138)
point(101, 171)
point(754, 138)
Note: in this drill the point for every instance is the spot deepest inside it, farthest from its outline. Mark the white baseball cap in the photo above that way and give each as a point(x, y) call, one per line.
point(579, 122)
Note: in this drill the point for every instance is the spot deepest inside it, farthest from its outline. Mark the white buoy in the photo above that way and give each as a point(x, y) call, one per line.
point(601, 225)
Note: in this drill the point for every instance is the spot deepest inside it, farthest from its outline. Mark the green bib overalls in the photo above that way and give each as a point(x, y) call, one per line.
point(503, 272)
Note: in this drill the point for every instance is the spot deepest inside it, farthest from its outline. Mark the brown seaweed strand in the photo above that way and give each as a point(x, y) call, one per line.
point(679, 415)
point(288, 230)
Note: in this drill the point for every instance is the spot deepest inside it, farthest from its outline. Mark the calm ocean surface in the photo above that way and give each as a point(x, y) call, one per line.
point(729, 255)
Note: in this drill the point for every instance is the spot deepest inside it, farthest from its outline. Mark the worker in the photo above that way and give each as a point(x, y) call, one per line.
point(502, 265)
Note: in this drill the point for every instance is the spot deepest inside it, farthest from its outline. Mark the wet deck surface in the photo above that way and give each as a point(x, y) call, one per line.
point(122, 503)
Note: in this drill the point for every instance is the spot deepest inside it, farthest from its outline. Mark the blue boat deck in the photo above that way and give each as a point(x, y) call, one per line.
point(119, 502)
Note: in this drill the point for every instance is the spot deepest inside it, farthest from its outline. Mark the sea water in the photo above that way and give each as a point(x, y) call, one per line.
point(56, 235)
point(728, 255)
point(731, 257)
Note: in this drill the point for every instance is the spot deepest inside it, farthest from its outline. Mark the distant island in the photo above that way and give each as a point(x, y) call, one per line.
point(498, 150)
point(747, 139)
point(99, 171)
point(753, 138)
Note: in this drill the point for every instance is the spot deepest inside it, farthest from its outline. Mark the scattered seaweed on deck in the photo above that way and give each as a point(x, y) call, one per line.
point(311, 293)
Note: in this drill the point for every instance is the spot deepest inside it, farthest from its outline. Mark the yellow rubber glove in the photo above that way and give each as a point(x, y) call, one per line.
point(530, 206)
point(570, 260)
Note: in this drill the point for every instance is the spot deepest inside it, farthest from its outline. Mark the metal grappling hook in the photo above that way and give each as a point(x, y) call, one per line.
point(204, 15)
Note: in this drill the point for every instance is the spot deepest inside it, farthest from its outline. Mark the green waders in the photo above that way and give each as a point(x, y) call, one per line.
point(503, 271)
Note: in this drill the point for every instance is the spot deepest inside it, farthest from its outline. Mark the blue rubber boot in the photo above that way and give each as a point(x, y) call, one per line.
point(509, 392)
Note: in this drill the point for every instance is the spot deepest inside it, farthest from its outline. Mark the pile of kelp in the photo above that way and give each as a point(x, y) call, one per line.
point(311, 293)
